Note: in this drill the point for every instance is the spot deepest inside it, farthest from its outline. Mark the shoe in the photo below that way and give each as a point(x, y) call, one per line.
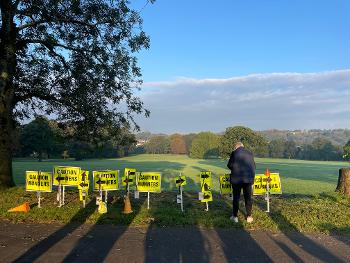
point(250, 219)
point(234, 219)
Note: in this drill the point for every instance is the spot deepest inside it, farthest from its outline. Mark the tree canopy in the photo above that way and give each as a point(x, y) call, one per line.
point(251, 140)
point(73, 59)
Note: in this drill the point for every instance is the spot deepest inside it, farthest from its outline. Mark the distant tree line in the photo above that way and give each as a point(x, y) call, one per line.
point(211, 145)
point(43, 138)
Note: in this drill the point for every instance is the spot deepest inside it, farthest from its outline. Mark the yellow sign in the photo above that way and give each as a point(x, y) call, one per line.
point(129, 177)
point(260, 183)
point(83, 181)
point(106, 180)
point(66, 175)
point(225, 184)
point(207, 196)
point(38, 181)
point(148, 182)
point(205, 180)
point(180, 181)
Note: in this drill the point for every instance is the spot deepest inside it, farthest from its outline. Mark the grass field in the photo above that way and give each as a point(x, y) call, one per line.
point(308, 203)
point(298, 177)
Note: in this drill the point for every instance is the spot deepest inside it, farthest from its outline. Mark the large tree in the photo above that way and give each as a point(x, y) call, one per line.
point(251, 140)
point(71, 58)
point(205, 145)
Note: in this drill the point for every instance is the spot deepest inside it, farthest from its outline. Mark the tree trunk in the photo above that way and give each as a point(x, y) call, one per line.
point(344, 181)
point(7, 72)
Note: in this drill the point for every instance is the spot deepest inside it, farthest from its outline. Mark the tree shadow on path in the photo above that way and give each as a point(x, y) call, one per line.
point(176, 244)
point(295, 236)
point(76, 221)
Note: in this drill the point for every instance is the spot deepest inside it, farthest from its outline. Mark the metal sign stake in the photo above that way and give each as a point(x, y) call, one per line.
point(63, 195)
point(106, 193)
point(268, 195)
point(207, 206)
point(148, 200)
point(182, 202)
point(39, 199)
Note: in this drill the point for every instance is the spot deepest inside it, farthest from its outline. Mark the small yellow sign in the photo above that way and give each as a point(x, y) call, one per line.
point(106, 180)
point(180, 181)
point(38, 181)
point(205, 180)
point(207, 196)
point(225, 184)
point(66, 175)
point(83, 183)
point(149, 182)
point(260, 184)
point(129, 177)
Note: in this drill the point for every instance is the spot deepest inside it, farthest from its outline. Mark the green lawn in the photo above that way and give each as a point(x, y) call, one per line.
point(308, 203)
point(298, 177)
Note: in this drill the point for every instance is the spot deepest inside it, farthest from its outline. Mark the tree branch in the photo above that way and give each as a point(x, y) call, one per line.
point(62, 20)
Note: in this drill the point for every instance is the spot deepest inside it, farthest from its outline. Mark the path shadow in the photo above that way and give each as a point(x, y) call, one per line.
point(237, 244)
point(97, 243)
point(176, 244)
point(299, 239)
point(76, 221)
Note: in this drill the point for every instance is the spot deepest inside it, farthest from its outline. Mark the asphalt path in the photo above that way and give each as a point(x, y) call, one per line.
point(107, 243)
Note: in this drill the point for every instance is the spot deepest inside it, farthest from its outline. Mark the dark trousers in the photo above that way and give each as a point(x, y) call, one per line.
point(247, 192)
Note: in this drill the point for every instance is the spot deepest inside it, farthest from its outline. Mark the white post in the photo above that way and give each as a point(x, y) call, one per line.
point(268, 195)
point(182, 202)
point(207, 209)
point(148, 200)
point(84, 197)
point(106, 193)
point(63, 195)
point(39, 198)
point(59, 195)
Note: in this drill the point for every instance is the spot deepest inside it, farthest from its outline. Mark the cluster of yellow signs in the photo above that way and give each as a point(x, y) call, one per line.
point(259, 187)
point(106, 180)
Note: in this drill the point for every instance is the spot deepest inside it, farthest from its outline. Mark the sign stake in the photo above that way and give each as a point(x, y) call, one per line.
point(106, 194)
point(207, 206)
point(182, 202)
point(63, 194)
point(148, 200)
point(39, 198)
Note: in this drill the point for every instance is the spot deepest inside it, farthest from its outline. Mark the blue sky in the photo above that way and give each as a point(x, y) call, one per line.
point(202, 40)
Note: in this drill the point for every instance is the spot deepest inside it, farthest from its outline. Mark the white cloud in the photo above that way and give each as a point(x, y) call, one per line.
point(259, 101)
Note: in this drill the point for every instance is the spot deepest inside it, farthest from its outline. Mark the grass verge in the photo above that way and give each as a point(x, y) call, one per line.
point(324, 213)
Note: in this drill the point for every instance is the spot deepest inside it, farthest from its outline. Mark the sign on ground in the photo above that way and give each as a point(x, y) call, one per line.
point(106, 180)
point(180, 180)
point(38, 181)
point(260, 183)
point(205, 180)
point(66, 175)
point(225, 184)
point(129, 177)
point(149, 181)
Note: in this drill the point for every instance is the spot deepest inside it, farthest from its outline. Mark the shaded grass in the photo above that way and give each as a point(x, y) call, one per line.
point(298, 177)
point(326, 212)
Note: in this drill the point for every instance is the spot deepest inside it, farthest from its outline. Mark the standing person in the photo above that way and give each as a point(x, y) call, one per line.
point(242, 168)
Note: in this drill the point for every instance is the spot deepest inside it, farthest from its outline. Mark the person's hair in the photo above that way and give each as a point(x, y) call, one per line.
point(237, 145)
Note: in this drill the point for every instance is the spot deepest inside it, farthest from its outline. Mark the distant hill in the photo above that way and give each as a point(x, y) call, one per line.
point(337, 136)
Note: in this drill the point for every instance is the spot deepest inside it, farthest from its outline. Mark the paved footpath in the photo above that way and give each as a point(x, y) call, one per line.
point(107, 243)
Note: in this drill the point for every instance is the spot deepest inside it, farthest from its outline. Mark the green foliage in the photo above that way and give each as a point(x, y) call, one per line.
point(251, 140)
point(321, 149)
point(205, 145)
point(158, 145)
point(37, 137)
point(346, 151)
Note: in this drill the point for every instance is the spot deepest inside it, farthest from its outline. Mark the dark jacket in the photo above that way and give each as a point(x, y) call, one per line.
point(242, 166)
